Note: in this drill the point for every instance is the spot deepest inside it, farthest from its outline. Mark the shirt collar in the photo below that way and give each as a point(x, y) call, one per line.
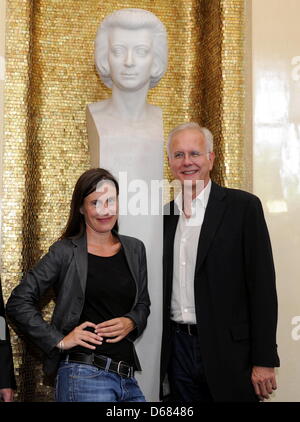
point(201, 199)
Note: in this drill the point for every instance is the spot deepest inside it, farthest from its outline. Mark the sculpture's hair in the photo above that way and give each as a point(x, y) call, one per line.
point(208, 136)
point(132, 19)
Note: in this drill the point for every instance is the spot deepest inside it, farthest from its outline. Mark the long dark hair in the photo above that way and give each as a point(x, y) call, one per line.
point(86, 184)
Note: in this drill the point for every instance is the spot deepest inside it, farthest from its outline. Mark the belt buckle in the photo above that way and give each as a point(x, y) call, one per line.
point(129, 370)
point(189, 330)
point(118, 368)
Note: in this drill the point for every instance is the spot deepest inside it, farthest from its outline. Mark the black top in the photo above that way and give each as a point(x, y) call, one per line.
point(110, 293)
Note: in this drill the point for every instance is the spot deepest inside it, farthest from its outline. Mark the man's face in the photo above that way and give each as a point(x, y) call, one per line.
point(189, 158)
point(130, 57)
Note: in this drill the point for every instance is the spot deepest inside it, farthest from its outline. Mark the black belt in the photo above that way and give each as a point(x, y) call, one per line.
point(102, 362)
point(190, 329)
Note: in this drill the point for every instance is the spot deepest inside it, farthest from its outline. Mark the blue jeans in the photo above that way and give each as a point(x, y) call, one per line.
point(76, 382)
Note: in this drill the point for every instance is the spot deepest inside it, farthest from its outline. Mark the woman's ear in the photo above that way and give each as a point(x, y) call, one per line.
point(155, 68)
point(81, 211)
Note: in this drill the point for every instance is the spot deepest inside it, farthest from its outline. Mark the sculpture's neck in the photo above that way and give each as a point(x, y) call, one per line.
point(129, 105)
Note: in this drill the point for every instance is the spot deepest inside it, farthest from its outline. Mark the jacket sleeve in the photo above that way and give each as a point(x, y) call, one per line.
point(22, 306)
point(141, 310)
point(260, 278)
point(7, 377)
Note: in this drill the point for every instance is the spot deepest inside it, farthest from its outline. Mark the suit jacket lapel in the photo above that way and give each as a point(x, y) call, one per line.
point(81, 259)
point(212, 218)
point(171, 216)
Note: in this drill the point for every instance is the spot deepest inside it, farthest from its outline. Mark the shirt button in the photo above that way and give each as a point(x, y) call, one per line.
point(183, 263)
point(185, 310)
point(183, 240)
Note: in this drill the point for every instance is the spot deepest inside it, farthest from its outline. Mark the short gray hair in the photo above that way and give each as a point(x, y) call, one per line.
point(208, 136)
point(131, 18)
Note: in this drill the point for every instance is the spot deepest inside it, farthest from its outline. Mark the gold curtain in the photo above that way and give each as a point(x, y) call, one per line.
point(50, 77)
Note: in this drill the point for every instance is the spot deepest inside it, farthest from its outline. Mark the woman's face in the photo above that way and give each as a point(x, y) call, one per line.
point(131, 57)
point(100, 208)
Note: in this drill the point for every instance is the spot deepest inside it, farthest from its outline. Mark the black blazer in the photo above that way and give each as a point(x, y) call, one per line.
point(64, 268)
point(7, 377)
point(235, 293)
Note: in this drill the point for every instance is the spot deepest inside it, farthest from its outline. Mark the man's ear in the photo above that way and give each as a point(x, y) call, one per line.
point(212, 157)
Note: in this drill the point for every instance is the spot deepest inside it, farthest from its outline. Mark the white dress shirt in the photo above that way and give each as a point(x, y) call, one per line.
point(185, 256)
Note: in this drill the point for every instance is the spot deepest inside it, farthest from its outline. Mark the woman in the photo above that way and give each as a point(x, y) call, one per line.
point(102, 302)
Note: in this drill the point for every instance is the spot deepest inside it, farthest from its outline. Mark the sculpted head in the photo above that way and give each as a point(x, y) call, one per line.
point(139, 35)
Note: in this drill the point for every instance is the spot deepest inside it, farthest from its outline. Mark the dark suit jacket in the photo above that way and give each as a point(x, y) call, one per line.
point(7, 378)
point(64, 268)
point(235, 293)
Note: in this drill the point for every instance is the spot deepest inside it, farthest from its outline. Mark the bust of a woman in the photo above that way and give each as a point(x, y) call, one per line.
point(131, 57)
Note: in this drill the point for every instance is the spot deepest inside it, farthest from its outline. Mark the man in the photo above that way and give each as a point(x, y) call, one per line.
point(7, 379)
point(220, 303)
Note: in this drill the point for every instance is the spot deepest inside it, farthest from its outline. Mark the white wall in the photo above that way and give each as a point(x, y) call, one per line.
point(276, 160)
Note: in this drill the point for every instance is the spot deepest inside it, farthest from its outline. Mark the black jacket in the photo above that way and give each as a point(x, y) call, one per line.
point(235, 293)
point(7, 377)
point(64, 269)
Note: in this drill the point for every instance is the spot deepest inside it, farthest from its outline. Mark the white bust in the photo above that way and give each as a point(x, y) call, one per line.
point(131, 57)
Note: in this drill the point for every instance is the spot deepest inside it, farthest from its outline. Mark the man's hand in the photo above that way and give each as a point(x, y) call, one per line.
point(6, 394)
point(116, 327)
point(264, 381)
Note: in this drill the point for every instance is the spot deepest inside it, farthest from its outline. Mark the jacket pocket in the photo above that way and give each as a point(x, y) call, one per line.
point(240, 332)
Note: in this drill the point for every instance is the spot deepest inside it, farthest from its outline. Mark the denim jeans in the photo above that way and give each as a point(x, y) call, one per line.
point(76, 382)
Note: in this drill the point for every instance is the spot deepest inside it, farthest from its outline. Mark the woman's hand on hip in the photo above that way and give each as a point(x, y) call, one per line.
point(81, 337)
point(118, 328)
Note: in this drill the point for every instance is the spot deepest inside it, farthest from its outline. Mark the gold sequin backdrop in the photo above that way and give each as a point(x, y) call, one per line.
point(50, 79)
